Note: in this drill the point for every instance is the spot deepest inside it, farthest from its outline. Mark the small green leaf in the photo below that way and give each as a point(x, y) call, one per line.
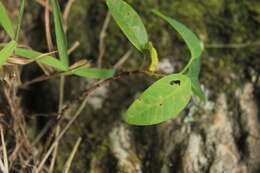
point(154, 57)
point(163, 100)
point(189, 37)
point(5, 21)
point(7, 51)
point(60, 34)
point(129, 22)
point(49, 60)
point(95, 73)
point(19, 23)
point(193, 73)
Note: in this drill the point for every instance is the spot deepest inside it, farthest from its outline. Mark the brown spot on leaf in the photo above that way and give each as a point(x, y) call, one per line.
point(160, 105)
point(140, 100)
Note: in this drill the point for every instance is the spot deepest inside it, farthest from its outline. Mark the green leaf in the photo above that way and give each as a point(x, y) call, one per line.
point(7, 51)
point(49, 60)
point(193, 67)
point(193, 73)
point(95, 73)
point(19, 23)
point(5, 21)
point(129, 22)
point(189, 37)
point(163, 100)
point(196, 88)
point(60, 34)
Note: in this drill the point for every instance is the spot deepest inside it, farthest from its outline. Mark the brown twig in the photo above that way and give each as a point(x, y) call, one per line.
point(41, 78)
point(42, 133)
point(96, 85)
point(102, 36)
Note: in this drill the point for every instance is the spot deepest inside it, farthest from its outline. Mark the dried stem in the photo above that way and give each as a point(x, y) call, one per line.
point(102, 36)
point(123, 59)
point(69, 161)
point(5, 158)
point(66, 13)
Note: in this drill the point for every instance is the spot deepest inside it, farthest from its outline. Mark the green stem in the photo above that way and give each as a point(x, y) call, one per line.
point(187, 66)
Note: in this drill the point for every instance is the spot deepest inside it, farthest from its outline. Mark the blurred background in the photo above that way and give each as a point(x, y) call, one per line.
point(218, 136)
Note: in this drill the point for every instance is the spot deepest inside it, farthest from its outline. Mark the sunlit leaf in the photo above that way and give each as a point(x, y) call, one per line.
point(129, 22)
point(60, 35)
point(7, 51)
point(5, 21)
point(49, 60)
point(20, 17)
point(163, 100)
point(95, 73)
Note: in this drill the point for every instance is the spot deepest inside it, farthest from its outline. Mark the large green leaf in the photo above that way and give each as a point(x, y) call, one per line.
point(163, 100)
point(129, 22)
point(49, 60)
point(5, 21)
point(95, 73)
point(189, 37)
point(60, 34)
point(7, 51)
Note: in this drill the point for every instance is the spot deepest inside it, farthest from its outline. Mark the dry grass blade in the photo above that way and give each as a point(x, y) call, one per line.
point(69, 161)
point(5, 158)
point(23, 61)
point(123, 59)
point(102, 36)
point(47, 26)
point(66, 13)
point(73, 47)
point(2, 167)
point(41, 2)
point(61, 98)
point(55, 152)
